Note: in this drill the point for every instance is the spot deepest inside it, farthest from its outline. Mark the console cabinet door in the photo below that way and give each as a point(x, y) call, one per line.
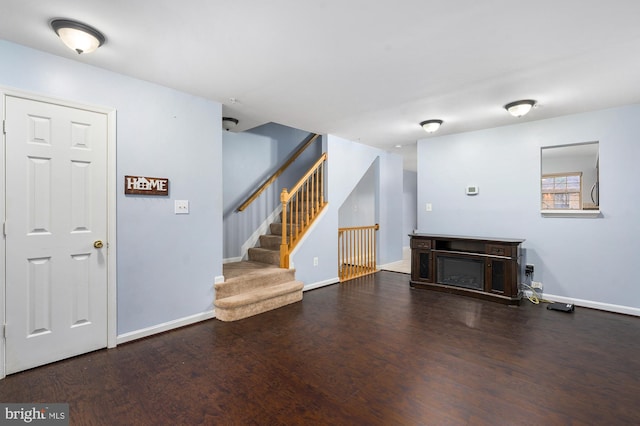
point(422, 265)
point(421, 260)
point(501, 277)
point(496, 276)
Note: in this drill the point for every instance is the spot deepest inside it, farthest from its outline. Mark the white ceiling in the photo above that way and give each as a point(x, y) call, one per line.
point(367, 71)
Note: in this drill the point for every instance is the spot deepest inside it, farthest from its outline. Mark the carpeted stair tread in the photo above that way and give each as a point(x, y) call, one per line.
point(247, 276)
point(240, 312)
point(276, 228)
point(246, 268)
point(270, 241)
point(259, 295)
point(259, 254)
point(251, 288)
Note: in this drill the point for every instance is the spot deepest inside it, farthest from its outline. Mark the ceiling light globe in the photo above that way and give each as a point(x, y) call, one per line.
point(77, 36)
point(520, 108)
point(78, 41)
point(431, 126)
point(229, 123)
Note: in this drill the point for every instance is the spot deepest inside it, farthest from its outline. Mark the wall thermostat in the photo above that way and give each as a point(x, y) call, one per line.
point(472, 190)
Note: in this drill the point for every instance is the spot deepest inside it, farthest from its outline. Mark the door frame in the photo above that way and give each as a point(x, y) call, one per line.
point(111, 212)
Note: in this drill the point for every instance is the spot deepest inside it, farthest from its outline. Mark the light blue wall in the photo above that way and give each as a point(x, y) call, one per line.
point(347, 164)
point(167, 263)
point(409, 203)
point(359, 209)
point(588, 259)
point(249, 158)
point(390, 216)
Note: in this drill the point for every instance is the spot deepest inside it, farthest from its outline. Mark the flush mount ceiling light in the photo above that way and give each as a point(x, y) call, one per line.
point(78, 36)
point(431, 126)
point(520, 108)
point(229, 123)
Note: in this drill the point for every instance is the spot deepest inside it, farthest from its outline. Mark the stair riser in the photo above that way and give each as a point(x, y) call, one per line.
point(248, 283)
point(258, 295)
point(234, 314)
point(270, 241)
point(276, 229)
point(271, 257)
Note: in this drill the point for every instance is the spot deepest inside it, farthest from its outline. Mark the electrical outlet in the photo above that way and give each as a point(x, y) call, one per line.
point(429, 207)
point(536, 284)
point(315, 261)
point(181, 207)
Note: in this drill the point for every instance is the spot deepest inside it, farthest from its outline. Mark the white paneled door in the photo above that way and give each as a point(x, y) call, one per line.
point(56, 230)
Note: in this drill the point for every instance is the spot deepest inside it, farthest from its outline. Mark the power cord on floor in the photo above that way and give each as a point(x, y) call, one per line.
point(534, 297)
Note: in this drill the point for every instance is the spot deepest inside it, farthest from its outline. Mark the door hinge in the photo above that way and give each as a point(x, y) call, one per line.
point(4, 331)
point(4, 228)
point(4, 127)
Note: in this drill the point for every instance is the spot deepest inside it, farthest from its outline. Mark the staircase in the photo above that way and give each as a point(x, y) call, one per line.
point(259, 284)
point(265, 282)
point(269, 249)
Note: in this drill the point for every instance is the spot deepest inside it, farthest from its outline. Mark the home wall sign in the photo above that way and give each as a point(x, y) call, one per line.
point(145, 185)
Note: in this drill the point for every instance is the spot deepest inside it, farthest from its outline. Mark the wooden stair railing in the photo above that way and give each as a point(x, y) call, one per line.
point(301, 206)
point(356, 251)
point(310, 139)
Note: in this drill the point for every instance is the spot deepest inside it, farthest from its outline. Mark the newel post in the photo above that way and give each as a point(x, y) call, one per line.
point(284, 245)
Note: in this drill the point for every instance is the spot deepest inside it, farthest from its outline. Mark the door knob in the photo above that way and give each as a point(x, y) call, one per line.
point(97, 244)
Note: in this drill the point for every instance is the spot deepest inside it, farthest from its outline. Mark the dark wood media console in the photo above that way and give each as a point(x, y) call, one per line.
point(480, 267)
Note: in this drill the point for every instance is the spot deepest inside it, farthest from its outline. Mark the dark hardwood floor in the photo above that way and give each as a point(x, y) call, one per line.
point(367, 352)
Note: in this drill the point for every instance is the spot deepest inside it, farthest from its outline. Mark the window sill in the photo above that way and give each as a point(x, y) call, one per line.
point(570, 213)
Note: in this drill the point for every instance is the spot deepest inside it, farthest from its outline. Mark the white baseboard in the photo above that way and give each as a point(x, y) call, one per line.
point(219, 279)
point(232, 259)
point(388, 265)
point(620, 309)
point(160, 328)
point(321, 284)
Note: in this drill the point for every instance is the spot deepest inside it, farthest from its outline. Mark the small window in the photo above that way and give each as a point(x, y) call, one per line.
point(562, 191)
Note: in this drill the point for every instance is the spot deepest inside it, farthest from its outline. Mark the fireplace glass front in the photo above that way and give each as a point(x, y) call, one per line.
point(460, 272)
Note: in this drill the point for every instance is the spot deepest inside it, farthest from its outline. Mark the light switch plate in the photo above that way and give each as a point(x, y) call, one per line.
point(181, 207)
point(472, 190)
